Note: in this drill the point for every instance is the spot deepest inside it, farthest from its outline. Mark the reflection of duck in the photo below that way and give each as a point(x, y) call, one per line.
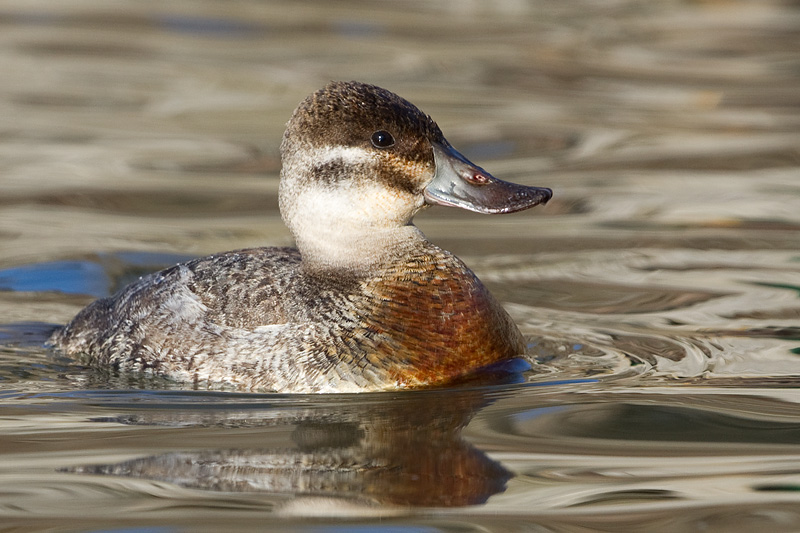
point(396, 450)
point(372, 305)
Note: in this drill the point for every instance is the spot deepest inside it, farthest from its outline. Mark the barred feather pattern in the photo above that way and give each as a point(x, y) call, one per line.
point(257, 320)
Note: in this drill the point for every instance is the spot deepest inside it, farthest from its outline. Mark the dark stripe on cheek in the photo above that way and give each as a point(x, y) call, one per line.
point(395, 174)
point(330, 172)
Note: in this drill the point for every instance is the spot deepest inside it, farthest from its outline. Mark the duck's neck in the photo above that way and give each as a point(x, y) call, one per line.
point(333, 248)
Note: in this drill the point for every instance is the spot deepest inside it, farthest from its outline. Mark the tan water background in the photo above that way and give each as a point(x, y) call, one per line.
point(659, 290)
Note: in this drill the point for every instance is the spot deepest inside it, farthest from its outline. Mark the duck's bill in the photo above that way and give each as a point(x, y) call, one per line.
point(460, 183)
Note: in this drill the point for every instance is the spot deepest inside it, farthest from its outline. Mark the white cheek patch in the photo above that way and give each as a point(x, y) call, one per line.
point(348, 155)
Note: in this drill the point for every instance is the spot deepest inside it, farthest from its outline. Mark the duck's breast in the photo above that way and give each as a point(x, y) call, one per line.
point(438, 321)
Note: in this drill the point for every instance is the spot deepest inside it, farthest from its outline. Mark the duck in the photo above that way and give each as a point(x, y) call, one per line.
point(363, 303)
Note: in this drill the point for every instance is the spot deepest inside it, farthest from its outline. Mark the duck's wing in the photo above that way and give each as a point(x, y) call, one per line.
point(246, 288)
point(162, 313)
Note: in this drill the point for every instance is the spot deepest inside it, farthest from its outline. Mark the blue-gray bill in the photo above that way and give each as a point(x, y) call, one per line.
point(460, 183)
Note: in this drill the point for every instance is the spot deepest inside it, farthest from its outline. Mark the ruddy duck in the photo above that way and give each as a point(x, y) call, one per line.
point(365, 302)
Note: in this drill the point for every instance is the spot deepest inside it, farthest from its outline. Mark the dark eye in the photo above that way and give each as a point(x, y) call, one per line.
point(382, 139)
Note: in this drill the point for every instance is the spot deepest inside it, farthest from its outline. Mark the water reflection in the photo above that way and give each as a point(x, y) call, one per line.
point(563, 455)
point(402, 450)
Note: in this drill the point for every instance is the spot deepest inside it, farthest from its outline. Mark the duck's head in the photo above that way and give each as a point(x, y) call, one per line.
point(359, 162)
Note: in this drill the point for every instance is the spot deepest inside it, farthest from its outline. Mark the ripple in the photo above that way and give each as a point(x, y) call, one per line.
point(177, 203)
point(107, 49)
point(599, 298)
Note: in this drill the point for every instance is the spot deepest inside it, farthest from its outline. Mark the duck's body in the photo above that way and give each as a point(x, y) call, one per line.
point(256, 320)
point(366, 303)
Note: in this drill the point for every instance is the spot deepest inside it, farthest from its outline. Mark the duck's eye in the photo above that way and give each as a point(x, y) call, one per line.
point(382, 139)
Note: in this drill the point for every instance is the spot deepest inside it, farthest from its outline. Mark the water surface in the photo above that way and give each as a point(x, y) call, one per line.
point(659, 290)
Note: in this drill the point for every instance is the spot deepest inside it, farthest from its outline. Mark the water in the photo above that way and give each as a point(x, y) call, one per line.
point(659, 290)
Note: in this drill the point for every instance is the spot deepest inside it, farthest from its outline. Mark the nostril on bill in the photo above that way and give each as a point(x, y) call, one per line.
point(477, 178)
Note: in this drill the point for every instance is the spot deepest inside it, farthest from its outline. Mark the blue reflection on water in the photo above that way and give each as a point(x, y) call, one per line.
point(73, 277)
point(98, 277)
